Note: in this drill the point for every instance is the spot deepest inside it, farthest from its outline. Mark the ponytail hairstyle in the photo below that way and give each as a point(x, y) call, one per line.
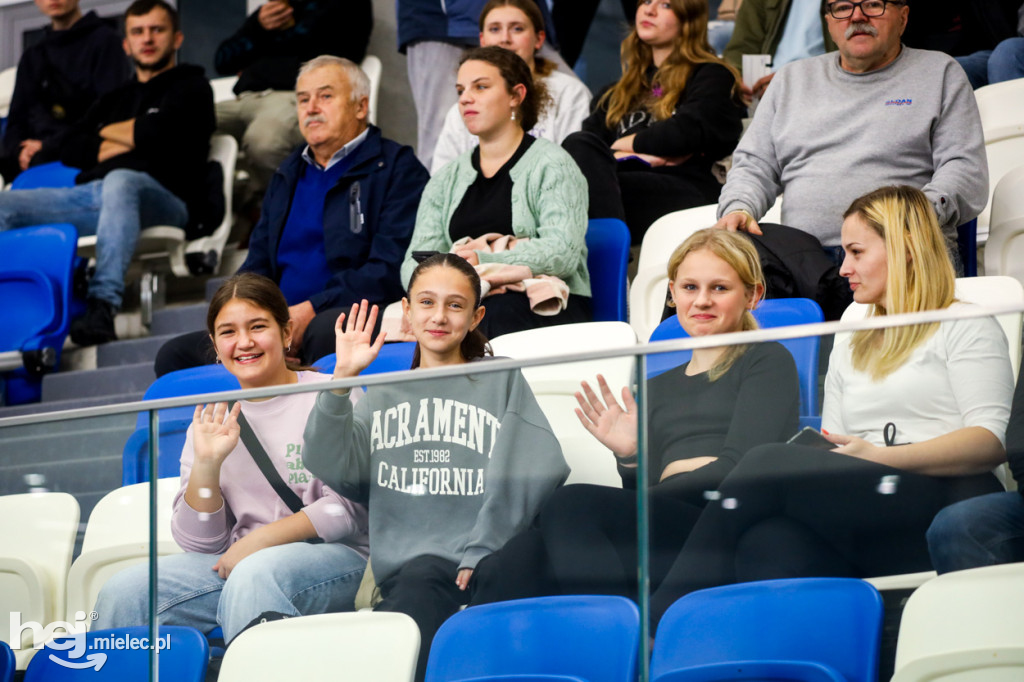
point(259, 291)
point(541, 66)
point(514, 71)
point(474, 345)
point(920, 275)
point(739, 253)
point(635, 91)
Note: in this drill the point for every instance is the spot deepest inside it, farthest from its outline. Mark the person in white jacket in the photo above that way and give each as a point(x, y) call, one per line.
point(518, 25)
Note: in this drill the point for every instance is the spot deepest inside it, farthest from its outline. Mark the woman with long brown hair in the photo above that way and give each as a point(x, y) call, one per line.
point(649, 146)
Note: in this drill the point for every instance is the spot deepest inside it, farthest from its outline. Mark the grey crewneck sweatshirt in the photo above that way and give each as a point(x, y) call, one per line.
point(451, 467)
point(825, 136)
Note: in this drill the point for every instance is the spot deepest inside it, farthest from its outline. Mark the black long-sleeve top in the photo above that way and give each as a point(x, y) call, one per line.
point(756, 401)
point(707, 122)
point(174, 120)
point(271, 59)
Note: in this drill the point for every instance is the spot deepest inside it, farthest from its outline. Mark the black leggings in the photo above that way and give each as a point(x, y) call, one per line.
point(510, 312)
point(424, 587)
point(628, 191)
point(590, 531)
point(788, 511)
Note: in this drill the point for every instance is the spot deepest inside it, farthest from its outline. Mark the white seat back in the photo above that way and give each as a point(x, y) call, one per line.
point(7, 89)
point(116, 537)
point(373, 69)
point(964, 625)
point(1001, 107)
point(555, 386)
point(223, 88)
point(38, 531)
point(358, 647)
point(1004, 250)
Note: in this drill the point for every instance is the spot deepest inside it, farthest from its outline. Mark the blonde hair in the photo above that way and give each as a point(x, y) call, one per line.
point(920, 275)
point(633, 90)
point(739, 254)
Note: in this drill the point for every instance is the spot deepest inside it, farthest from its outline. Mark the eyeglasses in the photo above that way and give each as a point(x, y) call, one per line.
point(870, 8)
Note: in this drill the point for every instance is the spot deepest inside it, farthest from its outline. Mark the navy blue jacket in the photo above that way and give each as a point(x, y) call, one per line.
point(450, 21)
point(364, 252)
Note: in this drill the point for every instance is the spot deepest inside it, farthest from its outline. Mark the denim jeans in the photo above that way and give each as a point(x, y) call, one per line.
point(1004, 63)
point(981, 531)
point(296, 579)
point(114, 209)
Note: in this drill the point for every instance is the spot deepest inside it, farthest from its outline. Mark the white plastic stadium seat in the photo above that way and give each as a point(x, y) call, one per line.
point(964, 625)
point(1004, 251)
point(116, 537)
point(373, 69)
point(1001, 106)
point(38, 531)
point(7, 89)
point(223, 88)
point(555, 386)
point(357, 647)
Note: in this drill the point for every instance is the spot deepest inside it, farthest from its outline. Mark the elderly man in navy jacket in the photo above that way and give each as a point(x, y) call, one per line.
point(337, 216)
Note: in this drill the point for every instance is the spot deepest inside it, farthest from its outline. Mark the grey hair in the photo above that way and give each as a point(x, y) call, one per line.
point(358, 82)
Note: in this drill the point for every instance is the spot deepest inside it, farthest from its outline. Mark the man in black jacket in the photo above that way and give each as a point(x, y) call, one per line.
point(78, 59)
point(266, 53)
point(143, 149)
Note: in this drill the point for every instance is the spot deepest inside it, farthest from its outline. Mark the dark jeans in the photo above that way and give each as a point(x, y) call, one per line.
point(788, 511)
point(981, 531)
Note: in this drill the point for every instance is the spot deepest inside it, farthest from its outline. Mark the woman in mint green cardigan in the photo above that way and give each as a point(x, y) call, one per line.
point(511, 184)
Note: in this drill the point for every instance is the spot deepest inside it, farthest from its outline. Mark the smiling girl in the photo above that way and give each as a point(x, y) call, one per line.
point(650, 144)
point(518, 25)
point(451, 468)
point(247, 551)
point(917, 415)
point(703, 417)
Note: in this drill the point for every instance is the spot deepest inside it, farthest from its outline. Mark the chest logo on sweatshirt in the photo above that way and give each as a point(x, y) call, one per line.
point(899, 102)
point(434, 420)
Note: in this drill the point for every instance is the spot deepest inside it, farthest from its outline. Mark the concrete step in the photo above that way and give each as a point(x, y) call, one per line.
point(176, 320)
point(70, 404)
point(116, 382)
point(131, 352)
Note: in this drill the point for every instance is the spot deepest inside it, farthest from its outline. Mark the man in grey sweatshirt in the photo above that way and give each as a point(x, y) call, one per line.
point(837, 126)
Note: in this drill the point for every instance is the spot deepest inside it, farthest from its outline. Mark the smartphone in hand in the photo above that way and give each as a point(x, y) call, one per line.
point(812, 438)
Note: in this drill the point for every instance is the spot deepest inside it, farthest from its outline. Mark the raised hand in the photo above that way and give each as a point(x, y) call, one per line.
point(610, 423)
point(215, 432)
point(352, 344)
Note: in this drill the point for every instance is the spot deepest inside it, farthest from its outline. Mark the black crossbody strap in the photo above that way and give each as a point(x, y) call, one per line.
point(259, 455)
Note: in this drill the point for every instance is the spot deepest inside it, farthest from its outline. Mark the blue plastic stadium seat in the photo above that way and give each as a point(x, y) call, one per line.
point(774, 312)
point(36, 272)
point(7, 663)
point(393, 357)
point(591, 638)
point(184, 659)
point(607, 261)
point(811, 629)
point(54, 174)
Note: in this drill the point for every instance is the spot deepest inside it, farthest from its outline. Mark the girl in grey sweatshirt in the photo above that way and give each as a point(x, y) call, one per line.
point(451, 468)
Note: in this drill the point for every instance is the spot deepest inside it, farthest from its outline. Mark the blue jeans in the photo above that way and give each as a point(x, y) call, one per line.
point(296, 579)
point(114, 209)
point(1004, 63)
point(981, 531)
